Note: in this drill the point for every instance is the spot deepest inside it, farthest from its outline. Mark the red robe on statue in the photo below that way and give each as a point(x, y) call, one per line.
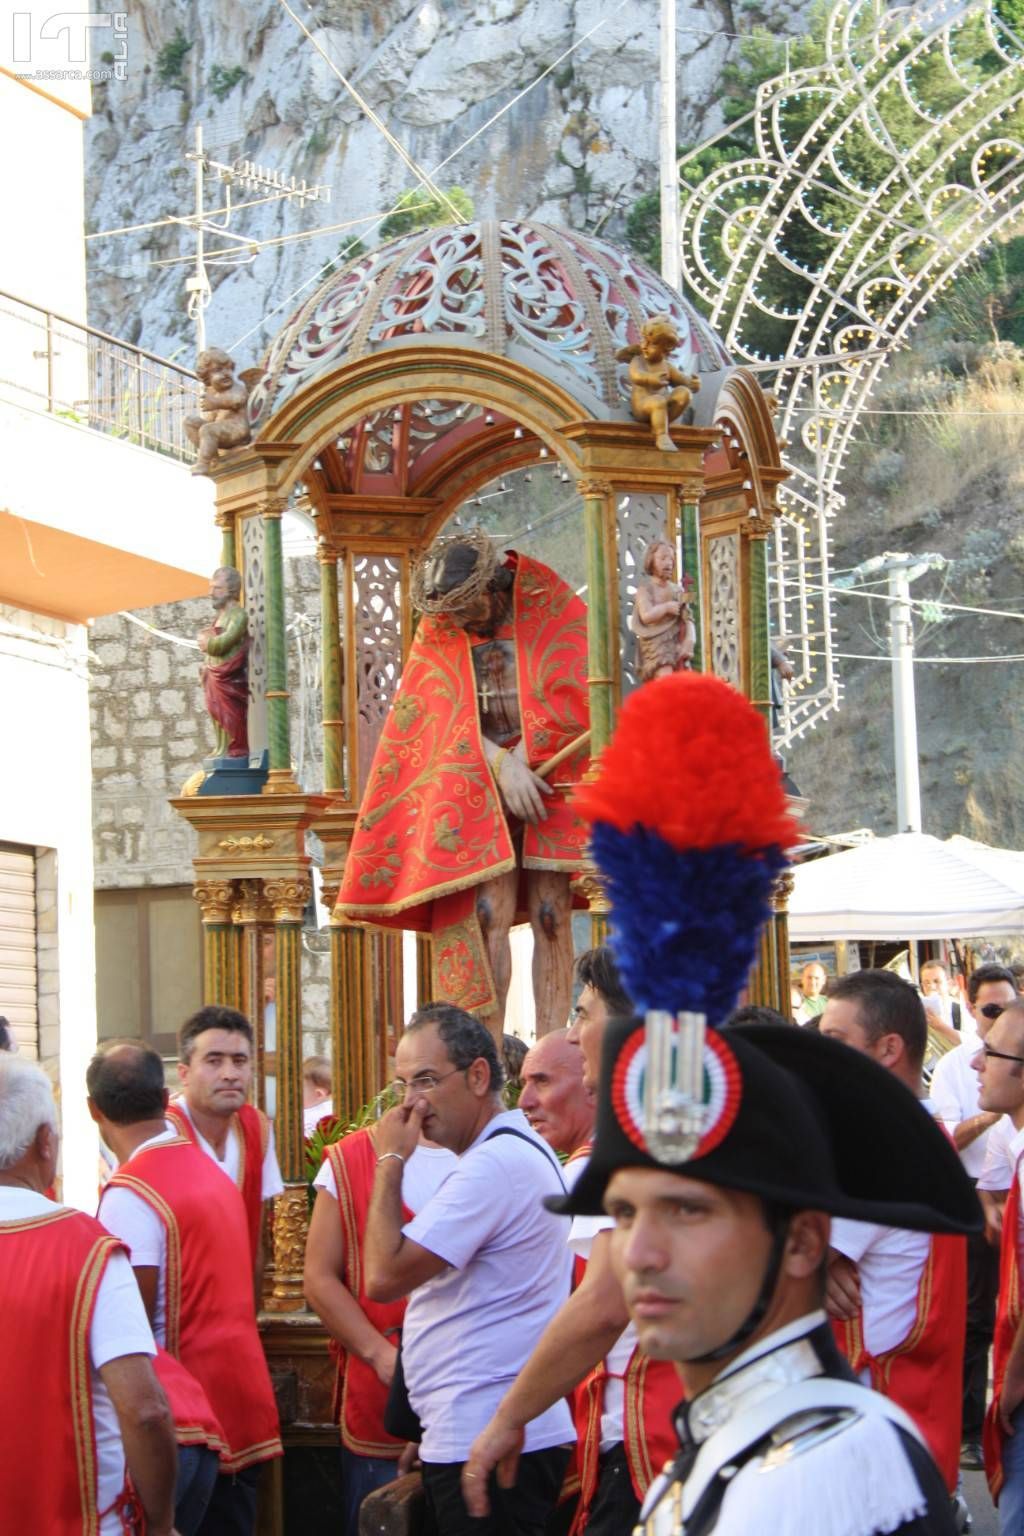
point(253, 1128)
point(361, 1395)
point(226, 691)
point(50, 1272)
point(1009, 1309)
point(431, 826)
point(924, 1374)
point(210, 1322)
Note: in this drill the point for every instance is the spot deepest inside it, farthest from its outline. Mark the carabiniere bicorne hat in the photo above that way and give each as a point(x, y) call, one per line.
point(801, 1120)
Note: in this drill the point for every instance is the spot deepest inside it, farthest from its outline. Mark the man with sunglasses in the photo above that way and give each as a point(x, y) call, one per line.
point(484, 1264)
point(954, 1093)
point(999, 1064)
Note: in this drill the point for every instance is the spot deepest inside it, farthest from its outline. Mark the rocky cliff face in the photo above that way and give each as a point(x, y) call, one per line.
point(576, 149)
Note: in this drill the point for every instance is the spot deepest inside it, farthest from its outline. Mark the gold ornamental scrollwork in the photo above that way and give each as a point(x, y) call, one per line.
point(691, 491)
point(782, 890)
point(250, 905)
point(587, 883)
point(215, 898)
point(755, 525)
point(273, 506)
point(257, 844)
point(288, 898)
point(291, 1223)
point(591, 488)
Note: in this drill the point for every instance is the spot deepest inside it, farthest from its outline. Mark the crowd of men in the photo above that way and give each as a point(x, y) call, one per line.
point(532, 1367)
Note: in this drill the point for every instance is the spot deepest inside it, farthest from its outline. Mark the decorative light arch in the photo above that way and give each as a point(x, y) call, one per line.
point(950, 181)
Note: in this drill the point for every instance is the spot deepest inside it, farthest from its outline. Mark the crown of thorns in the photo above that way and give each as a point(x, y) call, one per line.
point(428, 573)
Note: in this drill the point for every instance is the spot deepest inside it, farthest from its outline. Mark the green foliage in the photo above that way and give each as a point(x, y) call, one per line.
point(418, 210)
point(643, 228)
point(170, 61)
point(330, 1131)
point(222, 81)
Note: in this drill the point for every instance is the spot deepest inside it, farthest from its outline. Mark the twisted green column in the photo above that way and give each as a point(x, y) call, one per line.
point(330, 668)
point(760, 646)
point(278, 740)
point(693, 566)
point(600, 671)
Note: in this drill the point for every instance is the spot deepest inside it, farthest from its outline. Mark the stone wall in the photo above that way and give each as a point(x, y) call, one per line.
point(151, 732)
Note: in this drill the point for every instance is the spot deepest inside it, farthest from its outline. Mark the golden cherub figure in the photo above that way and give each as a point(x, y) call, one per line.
point(660, 391)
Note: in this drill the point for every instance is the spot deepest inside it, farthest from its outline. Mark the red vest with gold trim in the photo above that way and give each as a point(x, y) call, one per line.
point(652, 1391)
point(210, 1322)
point(50, 1271)
point(1008, 1315)
point(361, 1395)
point(924, 1374)
point(253, 1129)
point(195, 1422)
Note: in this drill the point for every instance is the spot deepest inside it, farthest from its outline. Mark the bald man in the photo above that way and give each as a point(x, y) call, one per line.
point(553, 1099)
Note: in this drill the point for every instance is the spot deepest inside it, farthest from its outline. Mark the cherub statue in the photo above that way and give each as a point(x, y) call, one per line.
point(665, 632)
point(221, 421)
point(660, 391)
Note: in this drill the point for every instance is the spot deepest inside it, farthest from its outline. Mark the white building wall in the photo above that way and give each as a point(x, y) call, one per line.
point(46, 804)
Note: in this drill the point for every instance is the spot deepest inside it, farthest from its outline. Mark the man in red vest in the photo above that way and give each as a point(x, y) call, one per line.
point(80, 1407)
point(186, 1228)
point(898, 1298)
point(215, 1049)
point(624, 1402)
point(366, 1331)
point(999, 1064)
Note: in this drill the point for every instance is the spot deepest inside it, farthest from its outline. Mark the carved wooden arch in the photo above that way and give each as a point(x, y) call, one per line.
point(315, 416)
point(745, 411)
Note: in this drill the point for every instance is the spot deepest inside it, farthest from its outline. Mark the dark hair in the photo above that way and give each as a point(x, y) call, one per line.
point(125, 1080)
point(6, 1034)
point(977, 979)
point(513, 1054)
point(464, 1038)
point(214, 1016)
point(757, 1013)
point(887, 1005)
point(596, 968)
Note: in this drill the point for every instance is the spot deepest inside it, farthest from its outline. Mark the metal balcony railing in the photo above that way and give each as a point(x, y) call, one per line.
point(85, 376)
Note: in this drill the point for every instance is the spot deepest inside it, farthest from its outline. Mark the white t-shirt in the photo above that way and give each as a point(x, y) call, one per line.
point(135, 1222)
point(312, 1116)
point(422, 1176)
point(954, 1093)
point(890, 1262)
point(582, 1233)
point(119, 1327)
point(273, 1184)
point(997, 1174)
point(469, 1329)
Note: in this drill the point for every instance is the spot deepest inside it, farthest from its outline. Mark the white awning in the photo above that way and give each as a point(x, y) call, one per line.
point(911, 886)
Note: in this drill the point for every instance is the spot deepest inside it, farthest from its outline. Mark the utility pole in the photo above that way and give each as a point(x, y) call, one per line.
point(669, 177)
point(198, 287)
point(904, 706)
point(901, 571)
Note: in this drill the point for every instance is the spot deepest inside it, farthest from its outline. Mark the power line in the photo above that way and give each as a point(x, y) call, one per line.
point(933, 661)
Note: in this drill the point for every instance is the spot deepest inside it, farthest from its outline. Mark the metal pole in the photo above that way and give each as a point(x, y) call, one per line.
point(670, 256)
point(904, 709)
point(200, 293)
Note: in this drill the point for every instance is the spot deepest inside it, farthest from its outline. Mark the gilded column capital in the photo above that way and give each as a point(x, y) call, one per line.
point(587, 883)
point(291, 1223)
point(755, 525)
point(592, 487)
point(782, 890)
point(288, 897)
point(250, 904)
point(273, 507)
point(215, 898)
point(326, 552)
point(691, 490)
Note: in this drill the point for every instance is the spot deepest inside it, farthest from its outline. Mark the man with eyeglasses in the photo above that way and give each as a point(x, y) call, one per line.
point(999, 1064)
point(898, 1297)
point(484, 1264)
point(954, 1093)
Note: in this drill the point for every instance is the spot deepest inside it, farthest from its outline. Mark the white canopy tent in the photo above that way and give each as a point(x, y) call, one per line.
point(911, 886)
